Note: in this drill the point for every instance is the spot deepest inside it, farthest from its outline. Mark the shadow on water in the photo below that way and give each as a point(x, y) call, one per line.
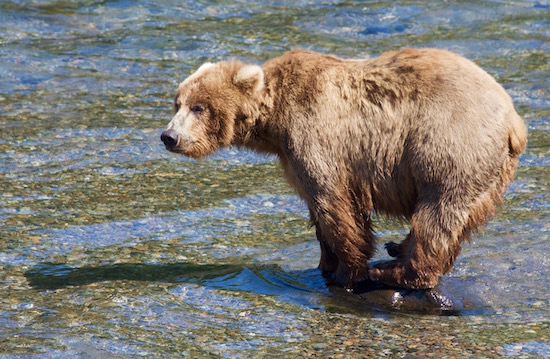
point(56, 276)
point(297, 287)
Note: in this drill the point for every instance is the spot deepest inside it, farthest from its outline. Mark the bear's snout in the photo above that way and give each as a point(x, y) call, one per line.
point(170, 139)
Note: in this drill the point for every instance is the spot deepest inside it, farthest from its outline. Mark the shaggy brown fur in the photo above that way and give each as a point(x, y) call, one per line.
point(424, 134)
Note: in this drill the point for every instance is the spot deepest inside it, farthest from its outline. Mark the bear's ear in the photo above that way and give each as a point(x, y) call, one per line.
point(204, 66)
point(249, 78)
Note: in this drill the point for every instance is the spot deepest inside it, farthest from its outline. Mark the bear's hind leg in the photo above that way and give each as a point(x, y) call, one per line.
point(428, 251)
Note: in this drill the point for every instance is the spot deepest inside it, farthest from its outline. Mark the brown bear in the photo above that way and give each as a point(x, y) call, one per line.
point(421, 134)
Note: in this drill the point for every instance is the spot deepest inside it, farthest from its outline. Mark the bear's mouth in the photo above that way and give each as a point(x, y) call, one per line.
point(189, 151)
point(176, 150)
point(183, 145)
point(179, 150)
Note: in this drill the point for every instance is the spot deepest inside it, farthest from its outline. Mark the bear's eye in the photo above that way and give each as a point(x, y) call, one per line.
point(198, 109)
point(177, 104)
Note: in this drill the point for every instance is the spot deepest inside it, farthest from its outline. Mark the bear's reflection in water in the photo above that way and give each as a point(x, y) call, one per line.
point(435, 300)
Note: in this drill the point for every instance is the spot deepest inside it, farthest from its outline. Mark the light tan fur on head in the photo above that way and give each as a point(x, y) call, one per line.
point(421, 134)
point(212, 103)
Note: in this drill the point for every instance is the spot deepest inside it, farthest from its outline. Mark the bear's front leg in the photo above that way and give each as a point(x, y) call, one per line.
point(329, 261)
point(347, 242)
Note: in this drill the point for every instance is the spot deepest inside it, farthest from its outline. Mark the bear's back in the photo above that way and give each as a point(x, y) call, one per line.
point(395, 123)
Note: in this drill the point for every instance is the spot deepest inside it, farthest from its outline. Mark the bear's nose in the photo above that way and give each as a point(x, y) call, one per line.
point(170, 139)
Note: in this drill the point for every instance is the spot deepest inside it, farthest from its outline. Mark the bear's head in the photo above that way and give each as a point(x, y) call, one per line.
point(215, 107)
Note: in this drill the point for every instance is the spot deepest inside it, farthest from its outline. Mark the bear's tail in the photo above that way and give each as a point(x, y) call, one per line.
point(517, 135)
point(517, 141)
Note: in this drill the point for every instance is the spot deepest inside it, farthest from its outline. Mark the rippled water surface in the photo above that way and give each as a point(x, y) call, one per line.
point(112, 247)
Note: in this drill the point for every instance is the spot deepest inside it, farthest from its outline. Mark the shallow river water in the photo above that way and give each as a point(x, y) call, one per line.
point(112, 247)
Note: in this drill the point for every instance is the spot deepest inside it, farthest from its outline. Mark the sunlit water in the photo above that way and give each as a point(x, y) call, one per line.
point(110, 246)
